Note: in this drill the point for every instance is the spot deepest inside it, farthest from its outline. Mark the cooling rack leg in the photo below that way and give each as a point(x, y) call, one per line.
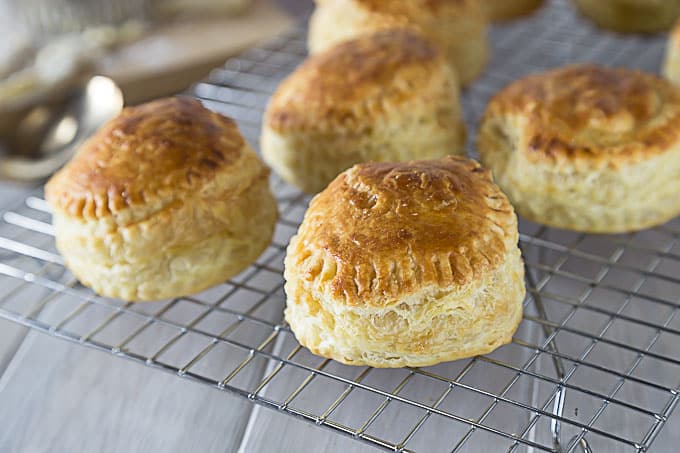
point(558, 405)
point(583, 443)
point(558, 409)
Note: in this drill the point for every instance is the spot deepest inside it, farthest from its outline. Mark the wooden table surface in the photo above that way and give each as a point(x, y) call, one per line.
point(56, 396)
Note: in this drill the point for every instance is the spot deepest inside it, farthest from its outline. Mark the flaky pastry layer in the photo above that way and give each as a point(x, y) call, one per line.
point(671, 64)
point(457, 27)
point(636, 16)
point(401, 264)
point(164, 201)
point(383, 97)
point(586, 148)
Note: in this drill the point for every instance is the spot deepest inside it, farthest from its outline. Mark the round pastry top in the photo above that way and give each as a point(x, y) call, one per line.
point(358, 80)
point(592, 113)
point(149, 155)
point(391, 229)
point(413, 7)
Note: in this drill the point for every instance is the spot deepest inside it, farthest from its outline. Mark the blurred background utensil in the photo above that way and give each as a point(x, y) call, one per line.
point(45, 18)
point(38, 138)
point(148, 48)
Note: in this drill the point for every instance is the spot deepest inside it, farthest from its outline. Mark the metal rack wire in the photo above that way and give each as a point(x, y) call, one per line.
point(596, 350)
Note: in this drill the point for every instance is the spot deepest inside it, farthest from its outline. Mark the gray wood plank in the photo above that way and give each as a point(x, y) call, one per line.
point(11, 335)
point(624, 422)
point(62, 397)
point(293, 435)
point(17, 297)
point(11, 193)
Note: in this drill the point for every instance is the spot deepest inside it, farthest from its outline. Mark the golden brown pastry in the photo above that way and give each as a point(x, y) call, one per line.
point(459, 26)
point(671, 65)
point(635, 16)
point(502, 10)
point(165, 200)
point(587, 148)
point(406, 264)
point(388, 96)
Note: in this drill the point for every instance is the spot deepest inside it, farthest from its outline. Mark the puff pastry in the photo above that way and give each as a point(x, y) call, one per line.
point(458, 27)
point(671, 65)
point(165, 200)
point(406, 264)
point(587, 148)
point(635, 16)
point(387, 96)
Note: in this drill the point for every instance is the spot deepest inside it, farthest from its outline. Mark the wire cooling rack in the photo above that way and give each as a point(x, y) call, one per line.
point(595, 365)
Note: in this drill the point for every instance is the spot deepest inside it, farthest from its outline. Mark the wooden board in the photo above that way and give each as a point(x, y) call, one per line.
point(11, 336)
point(174, 55)
point(63, 397)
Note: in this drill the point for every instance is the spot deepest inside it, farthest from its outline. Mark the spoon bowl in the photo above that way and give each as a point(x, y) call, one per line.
point(36, 140)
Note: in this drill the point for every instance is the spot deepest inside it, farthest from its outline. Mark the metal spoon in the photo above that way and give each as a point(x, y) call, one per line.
point(35, 141)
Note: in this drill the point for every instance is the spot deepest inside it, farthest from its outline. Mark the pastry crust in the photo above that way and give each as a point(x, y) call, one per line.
point(586, 148)
point(633, 16)
point(406, 264)
point(384, 96)
point(671, 65)
point(502, 10)
point(458, 27)
point(165, 200)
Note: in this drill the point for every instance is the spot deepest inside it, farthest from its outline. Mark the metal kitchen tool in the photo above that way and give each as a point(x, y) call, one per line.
point(38, 138)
